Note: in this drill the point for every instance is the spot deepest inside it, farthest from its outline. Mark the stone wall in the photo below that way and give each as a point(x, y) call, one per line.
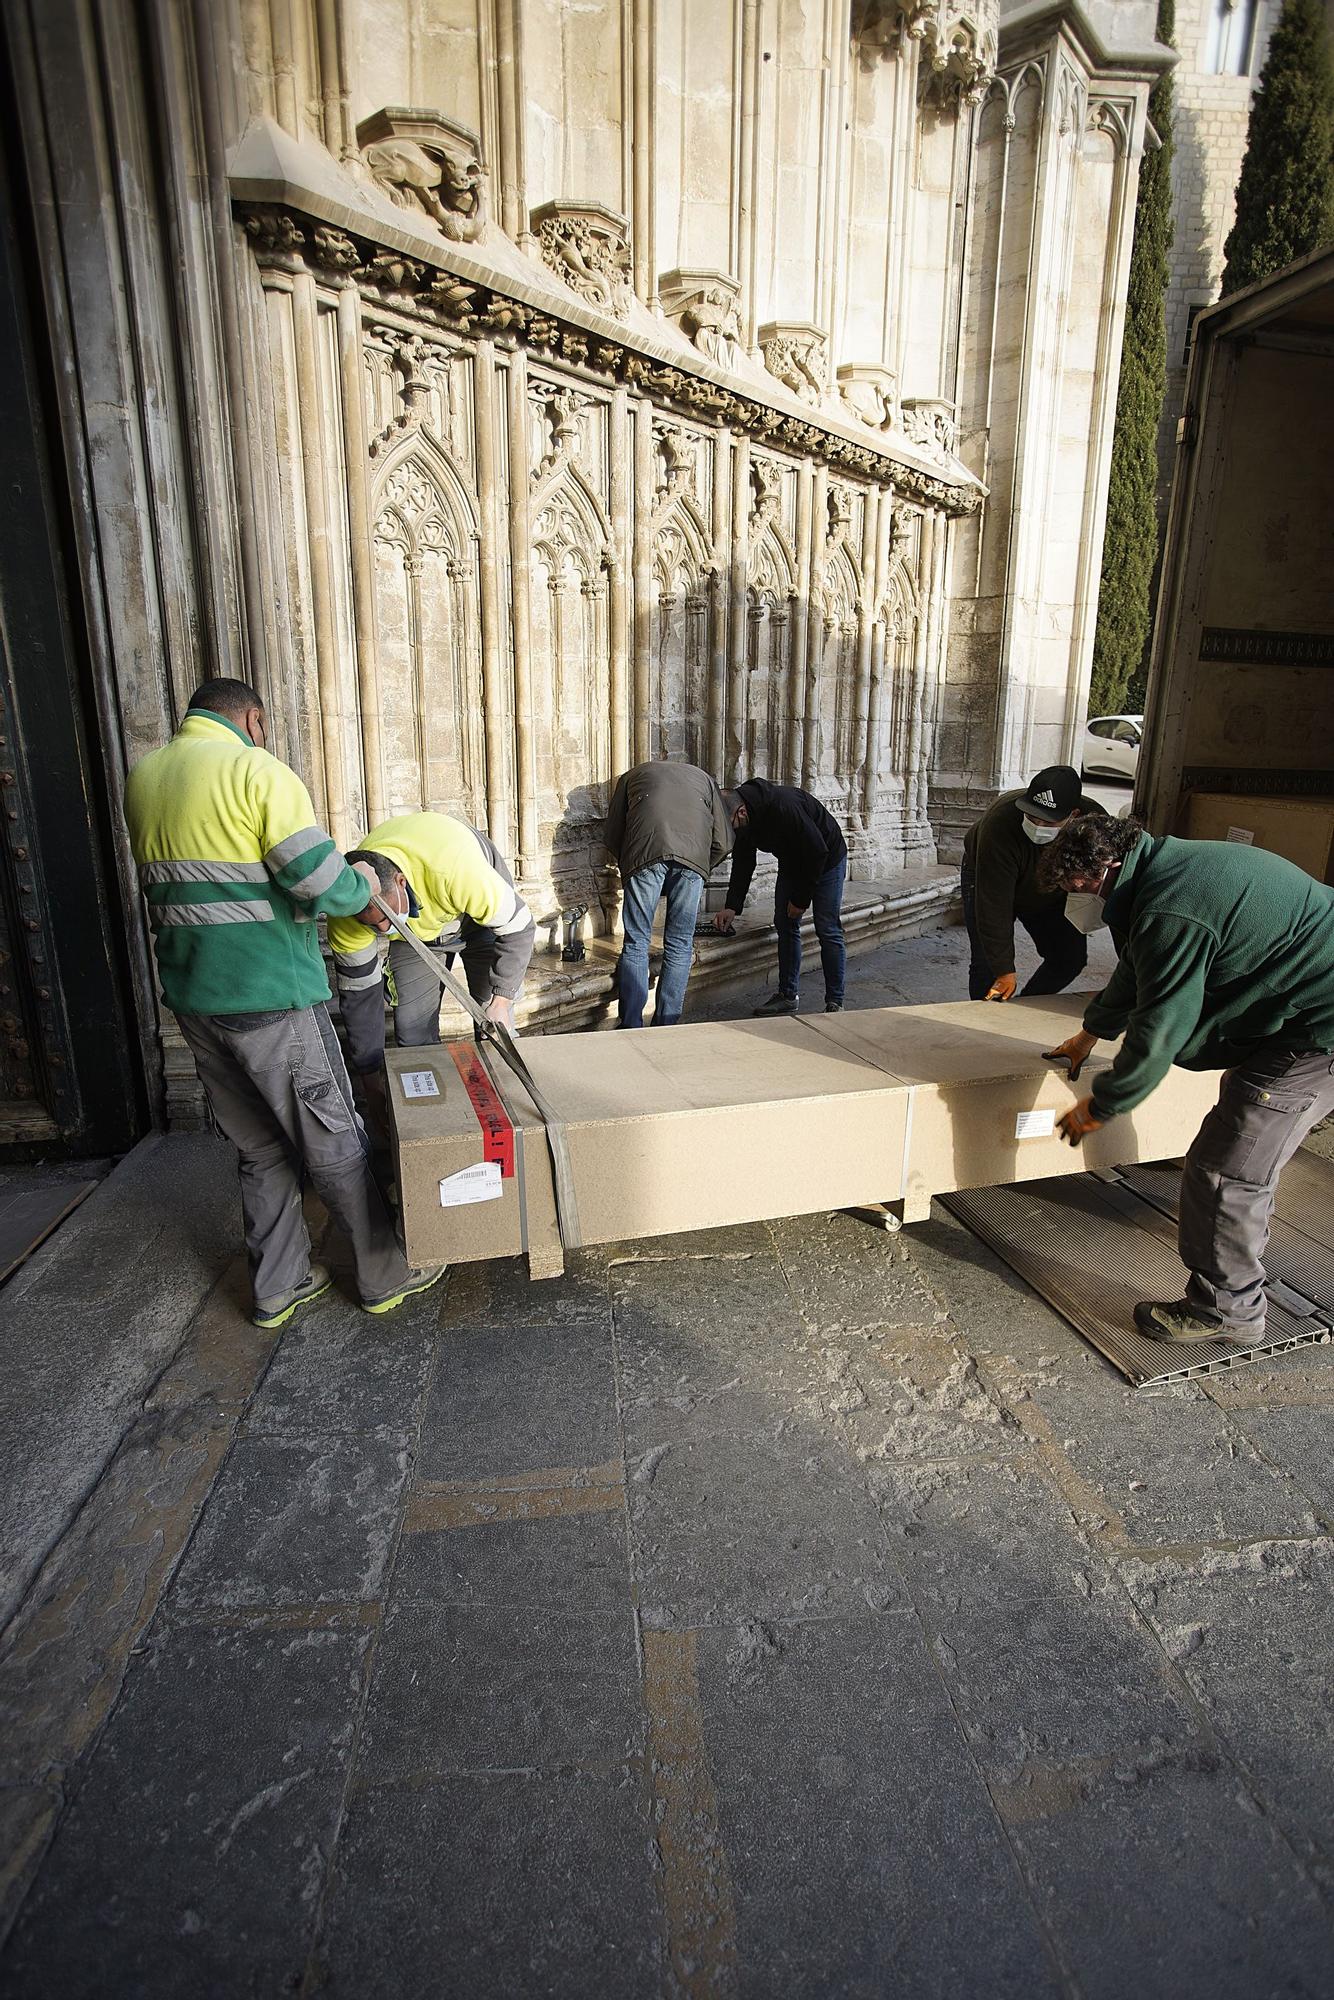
point(1211, 113)
point(515, 390)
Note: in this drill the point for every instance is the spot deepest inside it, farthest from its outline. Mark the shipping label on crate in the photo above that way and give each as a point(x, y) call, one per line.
point(419, 1083)
point(1242, 834)
point(482, 1182)
point(1035, 1125)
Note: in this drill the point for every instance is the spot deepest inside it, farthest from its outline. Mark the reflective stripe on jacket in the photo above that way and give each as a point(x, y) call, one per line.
point(234, 871)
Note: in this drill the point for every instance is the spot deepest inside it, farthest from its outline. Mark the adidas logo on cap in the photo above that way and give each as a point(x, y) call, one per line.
point(1044, 799)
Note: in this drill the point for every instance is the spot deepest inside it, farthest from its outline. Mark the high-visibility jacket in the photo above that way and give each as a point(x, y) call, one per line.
point(235, 871)
point(458, 885)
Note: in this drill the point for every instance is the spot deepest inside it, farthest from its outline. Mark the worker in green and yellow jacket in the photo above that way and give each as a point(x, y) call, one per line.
point(1227, 963)
point(453, 887)
point(235, 872)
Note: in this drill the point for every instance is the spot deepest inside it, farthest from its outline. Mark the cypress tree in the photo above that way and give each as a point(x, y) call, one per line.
point(1285, 196)
point(1130, 541)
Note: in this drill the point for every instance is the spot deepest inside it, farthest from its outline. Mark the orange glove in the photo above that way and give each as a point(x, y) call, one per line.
point(1075, 1052)
point(1079, 1121)
point(1002, 988)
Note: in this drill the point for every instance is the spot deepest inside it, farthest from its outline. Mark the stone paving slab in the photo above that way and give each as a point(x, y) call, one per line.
point(192, 1859)
point(913, 1393)
point(1167, 1464)
point(338, 1369)
point(1250, 1632)
point(847, 1277)
point(85, 1329)
point(708, 1347)
point(1159, 1877)
point(729, 1528)
point(484, 1687)
point(490, 1888)
point(980, 1532)
point(1300, 1442)
point(296, 1521)
point(562, 1411)
point(1059, 1678)
point(896, 1866)
point(540, 1563)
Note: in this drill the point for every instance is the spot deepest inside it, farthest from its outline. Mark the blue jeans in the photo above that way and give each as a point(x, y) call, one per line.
point(683, 889)
point(826, 905)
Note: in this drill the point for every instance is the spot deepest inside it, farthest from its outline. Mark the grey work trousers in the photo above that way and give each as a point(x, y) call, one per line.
point(1265, 1109)
point(416, 994)
point(279, 1090)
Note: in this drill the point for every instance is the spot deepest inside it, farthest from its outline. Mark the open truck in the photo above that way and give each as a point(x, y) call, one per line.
point(1239, 722)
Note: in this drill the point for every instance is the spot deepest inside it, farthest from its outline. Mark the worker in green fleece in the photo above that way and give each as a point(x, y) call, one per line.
point(235, 871)
point(1228, 963)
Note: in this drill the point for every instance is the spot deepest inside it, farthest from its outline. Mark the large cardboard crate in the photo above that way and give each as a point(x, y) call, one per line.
point(746, 1121)
point(1301, 830)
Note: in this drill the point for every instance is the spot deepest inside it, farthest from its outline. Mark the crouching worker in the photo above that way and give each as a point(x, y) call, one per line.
point(666, 830)
point(235, 871)
point(807, 842)
point(999, 885)
point(459, 898)
point(1227, 963)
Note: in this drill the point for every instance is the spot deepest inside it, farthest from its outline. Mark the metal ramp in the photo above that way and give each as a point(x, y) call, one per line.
point(1094, 1245)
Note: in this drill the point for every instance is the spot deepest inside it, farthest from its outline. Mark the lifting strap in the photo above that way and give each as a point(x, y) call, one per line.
point(562, 1180)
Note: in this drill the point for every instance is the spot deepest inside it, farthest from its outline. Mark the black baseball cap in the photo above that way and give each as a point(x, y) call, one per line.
point(1052, 795)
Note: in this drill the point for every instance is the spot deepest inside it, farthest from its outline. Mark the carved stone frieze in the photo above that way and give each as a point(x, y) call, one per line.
point(869, 393)
point(423, 160)
point(439, 300)
point(706, 307)
point(958, 39)
point(588, 246)
point(929, 422)
point(794, 355)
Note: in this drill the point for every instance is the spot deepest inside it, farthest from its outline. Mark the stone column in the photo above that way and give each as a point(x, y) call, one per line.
point(619, 604)
point(496, 718)
point(359, 545)
point(521, 629)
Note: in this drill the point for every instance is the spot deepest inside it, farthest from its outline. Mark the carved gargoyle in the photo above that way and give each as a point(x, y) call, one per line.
point(425, 161)
point(588, 246)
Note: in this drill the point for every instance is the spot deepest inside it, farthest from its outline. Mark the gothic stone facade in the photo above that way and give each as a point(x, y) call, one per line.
point(515, 390)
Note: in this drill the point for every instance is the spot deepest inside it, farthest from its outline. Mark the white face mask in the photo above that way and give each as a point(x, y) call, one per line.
point(1040, 835)
point(1086, 913)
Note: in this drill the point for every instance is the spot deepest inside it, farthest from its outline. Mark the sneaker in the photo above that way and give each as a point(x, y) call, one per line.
point(833, 1006)
point(777, 1003)
point(1187, 1324)
point(278, 1311)
point(422, 1281)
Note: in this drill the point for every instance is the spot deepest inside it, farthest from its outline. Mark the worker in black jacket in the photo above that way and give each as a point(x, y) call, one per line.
point(1000, 888)
point(812, 857)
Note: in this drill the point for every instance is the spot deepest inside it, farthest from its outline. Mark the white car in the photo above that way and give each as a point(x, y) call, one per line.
point(1111, 746)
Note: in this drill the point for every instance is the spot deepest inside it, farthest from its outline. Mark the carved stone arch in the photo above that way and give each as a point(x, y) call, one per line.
point(583, 496)
point(772, 566)
point(843, 585)
point(684, 610)
point(571, 550)
point(682, 545)
point(428, 633)
point(899, 609)
point(424, 453)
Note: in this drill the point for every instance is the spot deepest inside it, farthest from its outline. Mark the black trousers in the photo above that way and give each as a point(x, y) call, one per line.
point(1064, 950)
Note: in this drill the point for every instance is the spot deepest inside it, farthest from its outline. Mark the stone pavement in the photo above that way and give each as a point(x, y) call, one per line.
point(784, 1609)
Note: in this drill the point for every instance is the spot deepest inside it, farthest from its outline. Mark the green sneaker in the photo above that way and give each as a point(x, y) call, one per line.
point(422, 1281)
point(278, 1311)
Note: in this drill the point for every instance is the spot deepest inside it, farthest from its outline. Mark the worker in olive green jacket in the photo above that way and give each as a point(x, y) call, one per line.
point(1228, 964)
point(235, 871)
